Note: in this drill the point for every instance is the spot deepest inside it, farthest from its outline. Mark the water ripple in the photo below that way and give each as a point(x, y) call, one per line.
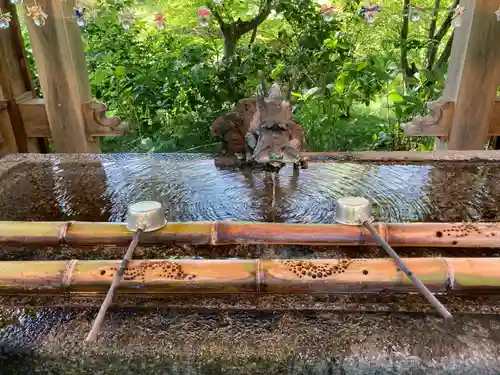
point(192, 188)
point(197, 190)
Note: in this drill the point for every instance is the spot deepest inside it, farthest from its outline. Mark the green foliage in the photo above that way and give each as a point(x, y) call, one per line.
point(347, 75)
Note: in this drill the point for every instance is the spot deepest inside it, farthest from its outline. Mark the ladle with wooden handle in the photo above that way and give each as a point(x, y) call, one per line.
point(146, 216)
point(358, 211)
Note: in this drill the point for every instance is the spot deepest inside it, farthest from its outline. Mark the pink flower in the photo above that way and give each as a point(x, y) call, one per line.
point(204, 12)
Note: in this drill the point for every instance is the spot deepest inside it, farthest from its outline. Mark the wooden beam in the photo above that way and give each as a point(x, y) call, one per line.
point(16, 65)
point(473, 78)
point(36, 123)
point(7, 138)
point(11, 128)
point(97, 124)
point(60, 61)
point(15, 80)
point(439, 122)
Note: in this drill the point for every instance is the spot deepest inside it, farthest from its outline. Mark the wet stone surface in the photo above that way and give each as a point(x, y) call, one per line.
point(159, 342)
point(232, 251)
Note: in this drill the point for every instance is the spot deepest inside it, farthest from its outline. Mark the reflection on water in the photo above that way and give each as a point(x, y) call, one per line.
point(191, 187)
point(197, 190)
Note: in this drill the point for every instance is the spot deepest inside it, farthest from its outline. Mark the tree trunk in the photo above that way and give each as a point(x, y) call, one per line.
point(254, 35)
point(233, 31)
point(229, 45)
point(405, 68)
point(443, 59)
point(433, 44)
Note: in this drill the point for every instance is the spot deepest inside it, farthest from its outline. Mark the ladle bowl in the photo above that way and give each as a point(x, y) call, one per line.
point(145, 215)
point(353, 211)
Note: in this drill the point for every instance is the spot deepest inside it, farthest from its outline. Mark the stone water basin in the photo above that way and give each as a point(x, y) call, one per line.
point(243, 334)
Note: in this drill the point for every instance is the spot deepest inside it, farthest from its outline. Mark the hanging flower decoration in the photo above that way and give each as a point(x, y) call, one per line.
point(497, 13)
point(416, 13)
point(160, 21)
point(80, 20)
point(368, 12)
point(204, 15)
point(458, 15)
point(37, 14)
point(127, 19)
point(16, 2)
point(328, 12)
point(4, 20)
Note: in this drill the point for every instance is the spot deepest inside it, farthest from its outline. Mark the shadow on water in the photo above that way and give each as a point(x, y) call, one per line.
point(192, 188)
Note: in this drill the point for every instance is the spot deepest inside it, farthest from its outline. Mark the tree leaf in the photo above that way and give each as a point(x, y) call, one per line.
point(120, 71)
point(277, 71)
point(395, 97)
point(99, 76)
point(360, 66)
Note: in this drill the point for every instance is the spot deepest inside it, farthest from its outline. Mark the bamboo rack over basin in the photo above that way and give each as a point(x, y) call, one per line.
point(478, 235)
point(333, 276)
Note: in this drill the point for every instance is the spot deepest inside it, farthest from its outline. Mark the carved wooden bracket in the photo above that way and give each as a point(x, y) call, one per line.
point(438, 122)
point(98, 124)
point(36, 123)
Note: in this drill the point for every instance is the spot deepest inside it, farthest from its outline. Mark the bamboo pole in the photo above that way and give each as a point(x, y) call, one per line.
point(414, 279)
point(327, 276)
point(96, 326)
point(463, 235)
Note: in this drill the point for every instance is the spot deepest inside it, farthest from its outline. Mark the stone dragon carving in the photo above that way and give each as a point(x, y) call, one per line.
point(261, 130)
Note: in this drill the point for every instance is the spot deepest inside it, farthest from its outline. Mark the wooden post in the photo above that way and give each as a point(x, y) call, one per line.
point(15, 86)
point(59, 56)
point(473, 75)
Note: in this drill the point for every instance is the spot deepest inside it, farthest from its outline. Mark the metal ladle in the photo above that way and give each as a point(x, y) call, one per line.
point(146, 216)
point(358, 211)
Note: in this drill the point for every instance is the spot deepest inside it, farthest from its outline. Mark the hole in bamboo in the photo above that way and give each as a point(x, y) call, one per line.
point(439, 234)
point(103, 272)
point(454, 242)
point(365, 272)
point(306, 268)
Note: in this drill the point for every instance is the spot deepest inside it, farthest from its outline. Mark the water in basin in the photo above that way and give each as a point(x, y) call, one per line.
point(191, 187)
